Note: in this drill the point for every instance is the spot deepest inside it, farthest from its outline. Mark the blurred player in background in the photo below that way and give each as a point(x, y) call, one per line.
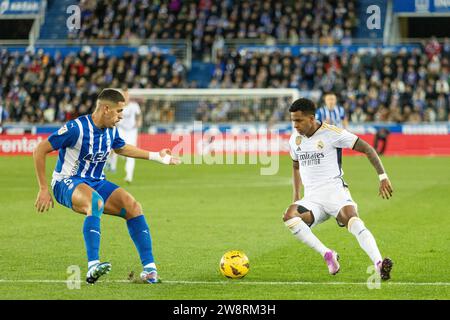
point(316, 151)
point(331, 112)
point(79, 182)
point(128, 129)
point(380, 141)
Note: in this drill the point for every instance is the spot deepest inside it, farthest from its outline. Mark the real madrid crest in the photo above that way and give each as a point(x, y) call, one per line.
point(320, 145)
point(298, 140)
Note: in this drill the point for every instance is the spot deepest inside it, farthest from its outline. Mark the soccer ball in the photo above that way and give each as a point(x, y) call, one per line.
point(234, 264)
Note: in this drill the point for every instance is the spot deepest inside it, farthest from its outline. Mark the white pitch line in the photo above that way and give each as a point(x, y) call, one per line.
point(293, 283)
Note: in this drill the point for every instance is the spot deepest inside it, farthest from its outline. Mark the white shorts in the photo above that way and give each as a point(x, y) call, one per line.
point(129, 136)
point(327, 201)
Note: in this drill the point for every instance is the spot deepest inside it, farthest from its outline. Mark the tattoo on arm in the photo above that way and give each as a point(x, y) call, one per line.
point(295, 164)
point(364, 147)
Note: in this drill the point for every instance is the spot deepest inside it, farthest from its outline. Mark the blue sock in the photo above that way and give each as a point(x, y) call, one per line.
point(91, 232)
point(140, 233)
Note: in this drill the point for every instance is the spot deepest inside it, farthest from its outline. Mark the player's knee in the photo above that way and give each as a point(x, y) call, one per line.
point(136, 208)
point(133, 209)
point(347, 218)
point(291, 212)
point(97, 205)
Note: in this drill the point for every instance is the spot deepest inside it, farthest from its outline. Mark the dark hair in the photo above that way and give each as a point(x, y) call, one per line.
point(304, 105)
point(328, 92)
point(111, 95)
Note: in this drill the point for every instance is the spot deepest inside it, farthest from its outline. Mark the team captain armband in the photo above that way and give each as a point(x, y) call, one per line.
point(155, 156)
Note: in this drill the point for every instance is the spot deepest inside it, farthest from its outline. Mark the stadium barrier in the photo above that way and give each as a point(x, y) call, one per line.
point(297, 50)
point(397, 144)
point(172, 49)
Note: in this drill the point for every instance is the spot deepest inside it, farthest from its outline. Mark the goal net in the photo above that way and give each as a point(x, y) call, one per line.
point(217, 121)
point(170, 109)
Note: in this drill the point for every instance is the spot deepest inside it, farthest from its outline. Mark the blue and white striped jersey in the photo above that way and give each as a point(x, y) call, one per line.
point(334, 117)
point(83, 148)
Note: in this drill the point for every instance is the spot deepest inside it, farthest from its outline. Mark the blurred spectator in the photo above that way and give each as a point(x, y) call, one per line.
point(432, 48)
point(167, 113)
point(358, 116)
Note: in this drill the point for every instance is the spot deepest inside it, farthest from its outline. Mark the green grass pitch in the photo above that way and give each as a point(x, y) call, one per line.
point(197, 212)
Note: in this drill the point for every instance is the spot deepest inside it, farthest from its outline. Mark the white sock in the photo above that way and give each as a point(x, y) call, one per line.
point(365, 239)
point(129, 168)
point(91, 263)
point(303, 233)
point(150, 265)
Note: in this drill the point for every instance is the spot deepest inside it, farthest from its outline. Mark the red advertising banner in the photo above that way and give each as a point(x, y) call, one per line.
point(19, 144)
point(397, 144)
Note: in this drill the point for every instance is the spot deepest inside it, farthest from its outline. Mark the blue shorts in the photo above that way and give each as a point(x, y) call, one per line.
point(62, 190)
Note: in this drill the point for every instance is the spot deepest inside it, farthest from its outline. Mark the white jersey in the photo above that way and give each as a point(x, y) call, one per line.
point(130, 112)
point(320, 156)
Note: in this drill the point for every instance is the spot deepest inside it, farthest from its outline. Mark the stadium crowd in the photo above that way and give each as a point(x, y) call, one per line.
point(208, 22)
point(40, 88)
point(373, 86)
point(400, 86)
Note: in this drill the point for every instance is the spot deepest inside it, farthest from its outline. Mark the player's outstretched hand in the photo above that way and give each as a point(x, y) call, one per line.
point(385, 189)
point(173, 160)
point(44, 201)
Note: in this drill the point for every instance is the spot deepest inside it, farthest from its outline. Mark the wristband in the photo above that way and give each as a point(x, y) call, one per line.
point(383, 176)
point(155, 156)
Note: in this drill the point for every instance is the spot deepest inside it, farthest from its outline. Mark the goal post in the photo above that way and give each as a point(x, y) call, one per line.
point(230, 93)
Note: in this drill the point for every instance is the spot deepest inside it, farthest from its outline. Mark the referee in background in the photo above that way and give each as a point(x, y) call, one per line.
point(331, 112)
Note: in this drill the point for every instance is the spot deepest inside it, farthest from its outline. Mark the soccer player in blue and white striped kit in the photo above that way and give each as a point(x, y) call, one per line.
point(331, 112)
point(79, 182)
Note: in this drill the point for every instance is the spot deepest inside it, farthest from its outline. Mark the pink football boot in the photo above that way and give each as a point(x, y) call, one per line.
point(332, 258)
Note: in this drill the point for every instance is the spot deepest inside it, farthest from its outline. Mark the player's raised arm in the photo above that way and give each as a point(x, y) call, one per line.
point(164, 156)
point(385, 190)
point(44, 199)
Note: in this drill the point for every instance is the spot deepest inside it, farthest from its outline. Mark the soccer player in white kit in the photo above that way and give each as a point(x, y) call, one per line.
point(316, 151)
point(128, 129)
